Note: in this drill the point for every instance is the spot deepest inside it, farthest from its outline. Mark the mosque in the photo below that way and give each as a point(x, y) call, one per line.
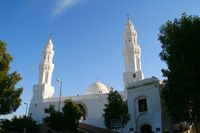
point(142, 94)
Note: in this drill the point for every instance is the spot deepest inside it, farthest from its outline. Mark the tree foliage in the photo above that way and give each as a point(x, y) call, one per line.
point(115, 109)
point(68, 119)
point(5, 126)
point(9, 95)
point(18, 125)
point(55, 119)
point(72, 115)
point(180, 42)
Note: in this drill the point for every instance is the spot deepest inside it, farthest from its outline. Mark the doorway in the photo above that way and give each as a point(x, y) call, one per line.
point(83, 111)
point(146, 128)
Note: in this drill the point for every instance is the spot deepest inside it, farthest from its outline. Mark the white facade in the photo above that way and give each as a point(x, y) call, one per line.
point(147, 89)
point(92, 104)
point(142, 94)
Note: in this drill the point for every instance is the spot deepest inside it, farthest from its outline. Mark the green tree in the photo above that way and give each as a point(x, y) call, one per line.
point(68, 119)
point(9, 95)
point(18, 125)
point(55, 119)
point(5, 126)
point(72, 115)
point(115, 109)
point(180, 42)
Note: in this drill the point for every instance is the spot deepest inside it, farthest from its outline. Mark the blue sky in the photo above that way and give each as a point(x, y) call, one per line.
point(87, 37)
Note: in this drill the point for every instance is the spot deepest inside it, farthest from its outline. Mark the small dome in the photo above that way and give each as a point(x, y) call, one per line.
point(97, 88)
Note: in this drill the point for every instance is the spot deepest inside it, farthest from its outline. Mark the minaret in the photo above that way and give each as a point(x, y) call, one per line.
point(132, 56)
point(44, 89)
point(46, 66)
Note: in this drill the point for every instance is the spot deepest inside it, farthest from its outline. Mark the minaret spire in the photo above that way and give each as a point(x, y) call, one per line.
point(46, 65)
point(44, 89)
point(132, 55)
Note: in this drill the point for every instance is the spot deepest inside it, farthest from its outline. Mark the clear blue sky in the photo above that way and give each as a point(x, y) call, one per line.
point(87, 37)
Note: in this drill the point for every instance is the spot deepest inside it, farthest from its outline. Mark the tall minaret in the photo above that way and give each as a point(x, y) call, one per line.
point(44, 89)
point(132, 56)
point(46, 66)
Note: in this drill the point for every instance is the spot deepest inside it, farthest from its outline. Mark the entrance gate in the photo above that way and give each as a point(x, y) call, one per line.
point(146, 128)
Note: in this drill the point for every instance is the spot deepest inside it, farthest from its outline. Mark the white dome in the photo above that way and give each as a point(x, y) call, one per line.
point(97, 88)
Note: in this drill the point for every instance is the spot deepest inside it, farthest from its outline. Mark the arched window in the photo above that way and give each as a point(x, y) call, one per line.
point(142, 105)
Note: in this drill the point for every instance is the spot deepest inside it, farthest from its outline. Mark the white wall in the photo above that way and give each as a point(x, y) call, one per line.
point(148, 88)
point(94, 105)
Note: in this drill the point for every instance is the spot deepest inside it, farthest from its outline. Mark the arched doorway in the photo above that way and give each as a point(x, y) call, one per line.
point(146, 128)
point(83, 110)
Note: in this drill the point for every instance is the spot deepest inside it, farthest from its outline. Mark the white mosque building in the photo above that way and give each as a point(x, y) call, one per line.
point(143, 94)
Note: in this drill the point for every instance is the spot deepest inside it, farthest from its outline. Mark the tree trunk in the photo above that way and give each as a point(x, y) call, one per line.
point(196, 127)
